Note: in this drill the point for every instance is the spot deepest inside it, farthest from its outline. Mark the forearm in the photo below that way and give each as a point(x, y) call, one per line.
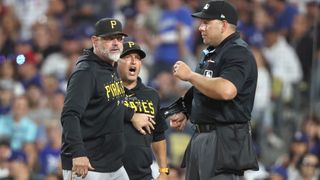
point(215, 88)
point(72, 135)
point(160, 152)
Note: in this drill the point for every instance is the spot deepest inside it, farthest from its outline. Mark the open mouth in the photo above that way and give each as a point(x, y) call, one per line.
point(132, 70)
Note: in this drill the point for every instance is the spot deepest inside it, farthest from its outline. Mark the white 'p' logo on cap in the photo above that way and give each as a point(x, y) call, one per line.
point(113, 23)
point(206, 6)
point(130, 43)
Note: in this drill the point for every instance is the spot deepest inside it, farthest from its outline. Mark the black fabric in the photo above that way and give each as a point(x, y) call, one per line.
point(129, 47)
point(201, 159)
point(182, 104)
point(138, 154)
point(227, 151)
point(234, 149)
point(201, 128)
point(218, 9)
point(176, 107)
point(108, 27)
point(92, 116)
point(233, 61)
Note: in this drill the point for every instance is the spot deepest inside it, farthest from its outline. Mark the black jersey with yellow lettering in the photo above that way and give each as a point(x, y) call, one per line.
point(93, 115)
point(138, 154)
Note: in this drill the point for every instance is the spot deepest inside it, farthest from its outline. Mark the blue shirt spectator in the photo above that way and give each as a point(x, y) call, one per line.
point(23, 131)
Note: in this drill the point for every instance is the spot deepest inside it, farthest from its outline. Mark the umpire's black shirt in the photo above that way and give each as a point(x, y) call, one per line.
point(236, 64)
point(138, 155)
point(93, 115)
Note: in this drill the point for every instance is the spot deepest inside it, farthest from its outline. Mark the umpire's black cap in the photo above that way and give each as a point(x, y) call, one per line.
point(108, 27)
point(130, 47)
point(218, 9)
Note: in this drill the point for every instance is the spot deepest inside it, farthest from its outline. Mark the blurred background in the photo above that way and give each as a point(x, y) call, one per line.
point(40, 41)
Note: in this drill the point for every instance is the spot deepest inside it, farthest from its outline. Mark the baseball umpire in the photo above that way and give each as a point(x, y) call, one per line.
point(224, 84)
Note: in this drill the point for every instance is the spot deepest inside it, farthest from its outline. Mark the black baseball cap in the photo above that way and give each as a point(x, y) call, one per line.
point(108, 27)
point(218, 9)
point(130, 47)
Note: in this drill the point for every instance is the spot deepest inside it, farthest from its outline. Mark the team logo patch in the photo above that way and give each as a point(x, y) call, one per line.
point(130, 43)
point(206, 6)
point(113, 23)
point(222, 16)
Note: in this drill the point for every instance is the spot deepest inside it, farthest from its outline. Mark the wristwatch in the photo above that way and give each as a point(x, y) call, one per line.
point(164, 170)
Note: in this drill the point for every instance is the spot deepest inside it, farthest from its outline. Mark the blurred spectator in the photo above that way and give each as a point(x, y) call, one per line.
point(44, 37)
point(148, 14)
point(282, 14)
point(261, 112)
point(302, 41)
point(298, 147)
point(260, 21)
point(6, 44)
point(49, 156)
point(28, 12)
point(17, 126)
point(19, 170)
point(56, 104)
point(8, 73)
point(308, 168)
point(278, 173)
point(57, 63)
point(11, 25)
point(27, 61)
point(165, 85)
point(5, 152)
point(85, 32)
point(92, 10)
point(311, 129)
point(283, 60)
point(173, 15)
point(38, 111)
point(6, 96)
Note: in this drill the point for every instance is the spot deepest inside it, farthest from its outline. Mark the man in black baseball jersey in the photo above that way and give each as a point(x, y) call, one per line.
point(224, 84)
point(143, 99)
point(93, 114)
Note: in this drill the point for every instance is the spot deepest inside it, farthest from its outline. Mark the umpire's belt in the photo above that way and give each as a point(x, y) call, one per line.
point(202, 128)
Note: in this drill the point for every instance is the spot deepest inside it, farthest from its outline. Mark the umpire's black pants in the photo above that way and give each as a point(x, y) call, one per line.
point(200, 159)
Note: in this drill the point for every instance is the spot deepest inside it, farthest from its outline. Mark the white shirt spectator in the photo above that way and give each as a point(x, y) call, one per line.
point(284, 64)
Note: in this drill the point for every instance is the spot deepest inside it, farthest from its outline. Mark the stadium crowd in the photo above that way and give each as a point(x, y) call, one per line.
point(40, 41)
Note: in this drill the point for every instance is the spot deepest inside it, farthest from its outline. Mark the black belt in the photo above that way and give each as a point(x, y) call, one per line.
point(202, 128)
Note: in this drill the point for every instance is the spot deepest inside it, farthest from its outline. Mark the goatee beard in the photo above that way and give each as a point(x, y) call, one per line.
point(114, 57)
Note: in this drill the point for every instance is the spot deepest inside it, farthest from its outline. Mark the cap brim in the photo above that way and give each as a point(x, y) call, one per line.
point(141, 53)
point(114, 33)
point(202, 15)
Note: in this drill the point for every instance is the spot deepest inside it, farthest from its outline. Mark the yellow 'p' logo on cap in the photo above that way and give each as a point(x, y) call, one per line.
point(113, 23)
point(130, 44)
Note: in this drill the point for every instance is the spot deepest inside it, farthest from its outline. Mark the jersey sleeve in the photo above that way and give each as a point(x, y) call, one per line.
point(237, 68)
point(161, 125)
point(79, 91)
